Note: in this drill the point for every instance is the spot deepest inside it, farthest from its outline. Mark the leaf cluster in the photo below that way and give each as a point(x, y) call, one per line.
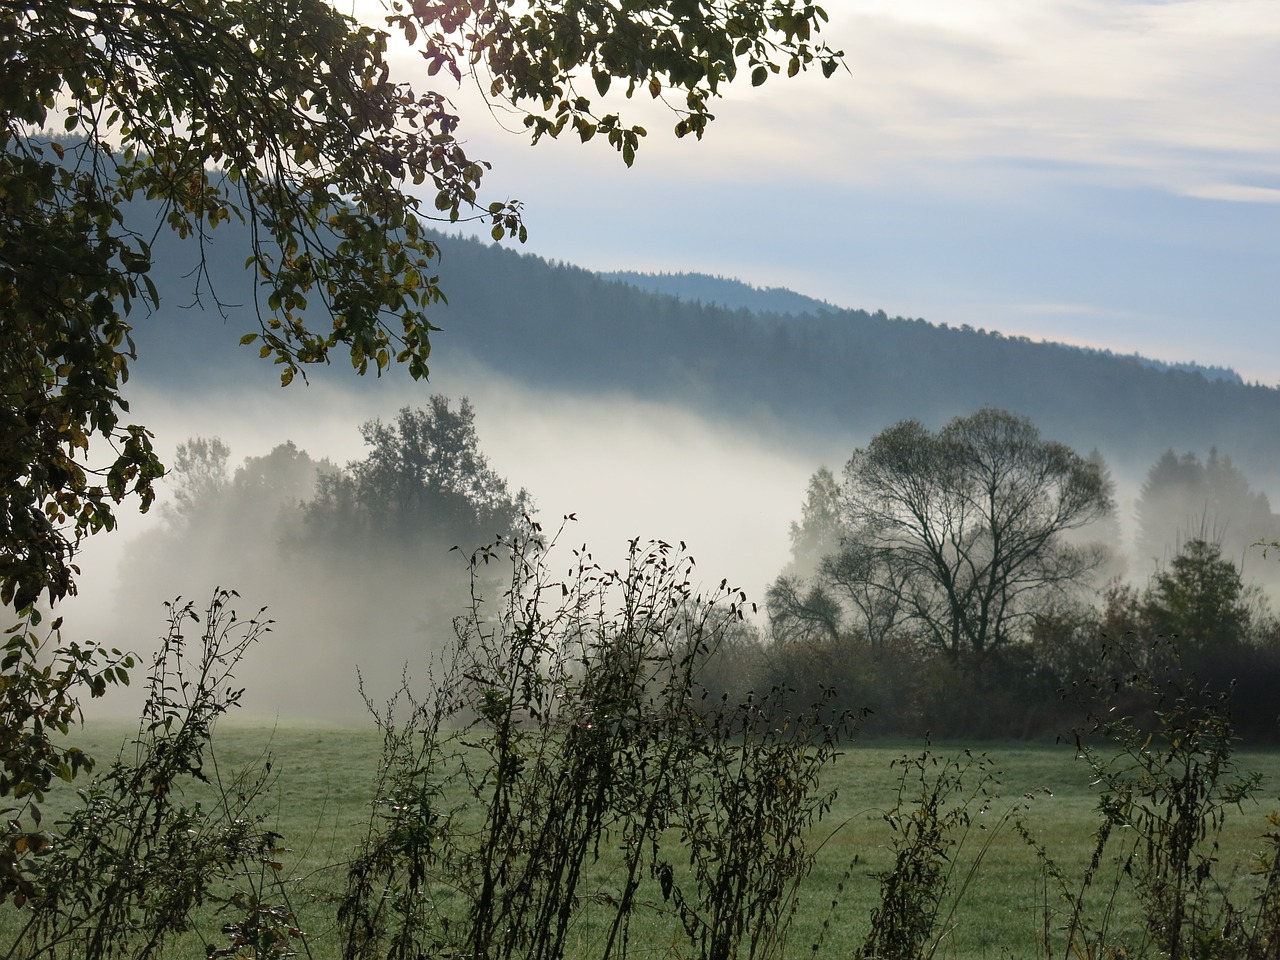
point(216, 113)
point(42, 684)
point(548, 61)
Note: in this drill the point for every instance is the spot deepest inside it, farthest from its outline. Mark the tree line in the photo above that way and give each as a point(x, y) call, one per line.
point(845, 373)
point(963, 581)
point(959, 581)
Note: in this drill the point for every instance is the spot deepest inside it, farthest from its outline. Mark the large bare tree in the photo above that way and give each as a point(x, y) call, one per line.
point(952, 537)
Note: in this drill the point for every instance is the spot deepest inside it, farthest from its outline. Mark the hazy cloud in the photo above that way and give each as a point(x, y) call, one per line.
point(1237, 194)
point(1169, 94)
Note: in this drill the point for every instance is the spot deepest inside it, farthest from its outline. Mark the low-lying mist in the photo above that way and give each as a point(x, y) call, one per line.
point(626, 469)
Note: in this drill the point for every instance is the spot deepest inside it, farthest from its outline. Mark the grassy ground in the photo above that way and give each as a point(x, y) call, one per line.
point(322, 779)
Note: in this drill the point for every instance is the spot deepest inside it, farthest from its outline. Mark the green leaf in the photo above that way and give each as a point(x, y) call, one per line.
point(759, 75)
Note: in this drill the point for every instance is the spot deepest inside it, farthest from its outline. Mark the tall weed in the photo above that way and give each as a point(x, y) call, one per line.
point(568, 732)
point(133, 862)
point(1161, 750)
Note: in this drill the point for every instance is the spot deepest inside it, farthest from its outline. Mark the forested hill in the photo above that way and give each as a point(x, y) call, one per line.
point(846, 372)
point(735, 294)
point(722, 292)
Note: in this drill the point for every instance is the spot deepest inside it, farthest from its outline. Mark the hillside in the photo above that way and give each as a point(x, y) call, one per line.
point(722, 292)
point(842, 372)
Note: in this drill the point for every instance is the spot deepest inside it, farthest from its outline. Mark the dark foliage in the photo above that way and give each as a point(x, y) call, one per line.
point(572, 718)
point(423, 481)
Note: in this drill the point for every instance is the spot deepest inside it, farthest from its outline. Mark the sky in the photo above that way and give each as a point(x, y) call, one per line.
point(1101, 172)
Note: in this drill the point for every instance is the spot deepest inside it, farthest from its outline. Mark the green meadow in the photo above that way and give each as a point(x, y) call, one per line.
point(999, 901)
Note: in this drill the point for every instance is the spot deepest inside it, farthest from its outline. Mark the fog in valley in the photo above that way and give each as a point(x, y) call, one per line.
point(688, 409)
point(626, 468)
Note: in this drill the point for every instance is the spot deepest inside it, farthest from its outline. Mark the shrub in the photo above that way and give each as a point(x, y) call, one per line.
point(572, 719)
point(127, 868)
point(1168, 777)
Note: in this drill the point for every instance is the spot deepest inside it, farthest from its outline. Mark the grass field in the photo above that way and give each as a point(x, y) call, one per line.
point(322, 780)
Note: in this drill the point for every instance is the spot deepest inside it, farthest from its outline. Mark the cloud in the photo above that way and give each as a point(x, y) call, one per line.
point(1150, 94)
point(1155, 95)
point(1236, 193)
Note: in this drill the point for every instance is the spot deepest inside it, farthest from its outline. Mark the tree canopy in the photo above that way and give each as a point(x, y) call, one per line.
point(284, 116)
point(944, 537)
point(1199, 599)
point(423, 481)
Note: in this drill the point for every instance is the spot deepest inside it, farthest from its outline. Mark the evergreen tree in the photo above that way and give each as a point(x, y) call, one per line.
point(1184, 499)
point(1200, 600)
point(817, 534)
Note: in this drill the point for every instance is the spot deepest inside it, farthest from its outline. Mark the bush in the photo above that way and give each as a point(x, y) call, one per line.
point(1168, 778)
point(131, 863)
point(573, 716)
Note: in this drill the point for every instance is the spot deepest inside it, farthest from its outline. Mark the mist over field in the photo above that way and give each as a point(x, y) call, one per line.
point(626, 468)
point(681, 407)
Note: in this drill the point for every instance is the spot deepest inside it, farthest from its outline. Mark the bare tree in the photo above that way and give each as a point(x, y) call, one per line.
point(872, 586)
point(953, 533)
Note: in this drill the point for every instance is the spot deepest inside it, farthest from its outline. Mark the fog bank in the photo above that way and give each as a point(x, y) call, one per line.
point(626, 469)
